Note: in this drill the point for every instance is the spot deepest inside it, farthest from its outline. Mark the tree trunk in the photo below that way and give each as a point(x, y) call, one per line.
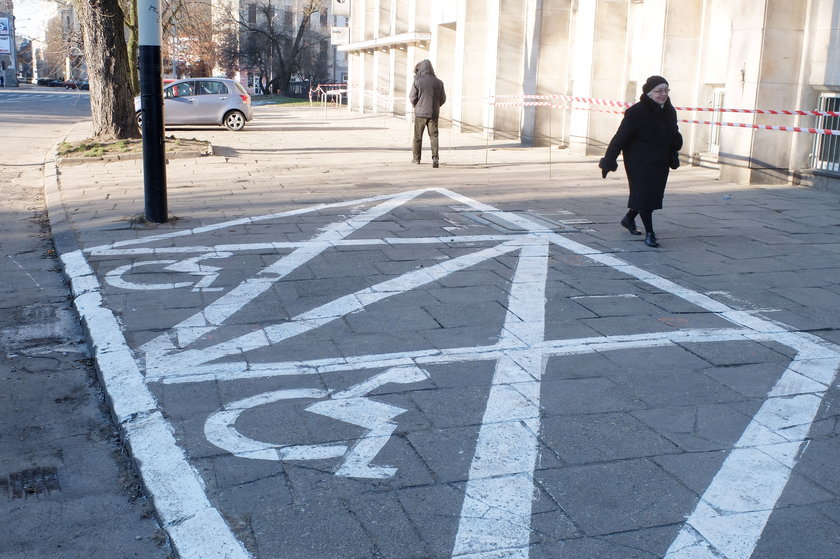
point(111, 98)
point(132, 44)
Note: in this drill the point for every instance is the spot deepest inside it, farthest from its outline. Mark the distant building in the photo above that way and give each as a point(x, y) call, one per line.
point(587, 57)
point(8, 48)
point(286, 15)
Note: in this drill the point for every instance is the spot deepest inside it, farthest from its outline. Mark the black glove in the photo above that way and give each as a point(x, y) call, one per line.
point(606, 167)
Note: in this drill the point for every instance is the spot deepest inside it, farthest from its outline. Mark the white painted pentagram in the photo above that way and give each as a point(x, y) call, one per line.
point(496, 513)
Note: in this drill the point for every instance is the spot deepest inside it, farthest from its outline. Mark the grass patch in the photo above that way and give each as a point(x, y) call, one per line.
point(94, 149)
point(85, 148)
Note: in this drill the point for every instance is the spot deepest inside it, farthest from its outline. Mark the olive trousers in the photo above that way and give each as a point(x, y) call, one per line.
point(421, 124)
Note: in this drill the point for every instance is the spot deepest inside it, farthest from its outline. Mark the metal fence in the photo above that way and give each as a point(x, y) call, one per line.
point(826, 152)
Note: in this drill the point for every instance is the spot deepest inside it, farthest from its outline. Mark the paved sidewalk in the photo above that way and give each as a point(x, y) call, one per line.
point(331, 352)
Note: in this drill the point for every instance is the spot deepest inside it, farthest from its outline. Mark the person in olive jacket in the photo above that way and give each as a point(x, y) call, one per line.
point(427, 95)
point(650, 140)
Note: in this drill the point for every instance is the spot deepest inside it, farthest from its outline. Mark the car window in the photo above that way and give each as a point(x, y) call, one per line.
point(240, 88)
point(211, 88)
point(178, 90)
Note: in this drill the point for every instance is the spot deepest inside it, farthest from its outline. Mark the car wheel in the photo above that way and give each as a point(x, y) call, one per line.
point(234, 120)
point(139, 117)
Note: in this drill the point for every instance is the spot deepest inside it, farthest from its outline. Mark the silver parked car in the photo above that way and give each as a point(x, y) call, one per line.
point(204, 101)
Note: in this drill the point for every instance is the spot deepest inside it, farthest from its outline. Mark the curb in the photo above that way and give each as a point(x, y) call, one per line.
point(132, 156)
point(187, 517)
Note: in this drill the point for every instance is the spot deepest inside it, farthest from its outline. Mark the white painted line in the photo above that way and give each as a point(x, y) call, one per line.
point(350, 406)
point(495, 520)
point(249, 220)
point(196, 528)
point(162, 361)
point(245, 370)
point(157, 350)
point(713, 531)
point(733, 511)
point(288, 245)
point(496, 512)
point(220, 429)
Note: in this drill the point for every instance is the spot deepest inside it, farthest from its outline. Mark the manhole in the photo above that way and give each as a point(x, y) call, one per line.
point(34, 481)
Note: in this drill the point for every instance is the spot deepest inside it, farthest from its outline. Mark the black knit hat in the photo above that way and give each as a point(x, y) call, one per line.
point(652, 82)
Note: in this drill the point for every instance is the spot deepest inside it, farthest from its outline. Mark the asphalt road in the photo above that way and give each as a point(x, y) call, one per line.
point(68, 488)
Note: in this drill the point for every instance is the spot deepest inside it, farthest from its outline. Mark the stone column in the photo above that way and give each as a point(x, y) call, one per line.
point(553, 70)
point(509, 66)
point(763, 72)
point(480, 36)
point(533, 32)
point(581, 59)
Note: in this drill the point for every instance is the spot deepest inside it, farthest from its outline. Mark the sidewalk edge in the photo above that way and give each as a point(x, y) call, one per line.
point(196, 529)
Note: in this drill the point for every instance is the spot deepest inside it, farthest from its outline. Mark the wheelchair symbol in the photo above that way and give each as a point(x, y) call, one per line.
point(192, 266)
point(349, 406)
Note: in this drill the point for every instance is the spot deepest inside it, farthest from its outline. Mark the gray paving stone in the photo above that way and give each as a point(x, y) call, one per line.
point(676, 387)
point(751, 381)
point(735, 353)
point(630, 495)
point(699, 428)
point(465, 336)
point(303, 347)
point(619, 325)
point(695, 470)
point(798, 532)
point(452, 407)
point(602, 437)
point(446, 452)
point(618, 306)
point(639, 543)
point(559, 329)
point(653, 359)
point(432, 510)
point(185, 400)
point(808, 295)
point(467, 373)
point(579, 366)
point(454, 315)
point(264, 486)
point(393, 533)
point(578, 396)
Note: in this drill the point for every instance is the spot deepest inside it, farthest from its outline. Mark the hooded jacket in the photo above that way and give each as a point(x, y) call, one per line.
point(427, 94)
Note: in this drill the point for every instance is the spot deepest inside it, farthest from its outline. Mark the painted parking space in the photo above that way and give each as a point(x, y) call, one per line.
point(393, 377)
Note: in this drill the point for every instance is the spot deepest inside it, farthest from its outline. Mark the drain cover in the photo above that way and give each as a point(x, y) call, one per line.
point(34, 481)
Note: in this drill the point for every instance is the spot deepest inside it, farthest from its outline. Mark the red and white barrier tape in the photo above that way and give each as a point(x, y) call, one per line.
point(541, 103)
point(596, 101)
point(825, 131)
point(574, 103)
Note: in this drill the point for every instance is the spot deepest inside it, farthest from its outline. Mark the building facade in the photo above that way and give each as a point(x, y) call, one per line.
point(285, 18)
point(560, 72)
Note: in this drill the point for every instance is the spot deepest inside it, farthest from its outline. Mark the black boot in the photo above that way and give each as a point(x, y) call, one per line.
point(650, 239)
point(435, 162)
point(630, 224)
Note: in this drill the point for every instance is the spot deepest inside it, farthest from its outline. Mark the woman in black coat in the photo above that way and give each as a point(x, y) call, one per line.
point(649, 137)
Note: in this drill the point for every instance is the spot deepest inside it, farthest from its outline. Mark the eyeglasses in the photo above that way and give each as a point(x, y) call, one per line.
point(661, 91)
